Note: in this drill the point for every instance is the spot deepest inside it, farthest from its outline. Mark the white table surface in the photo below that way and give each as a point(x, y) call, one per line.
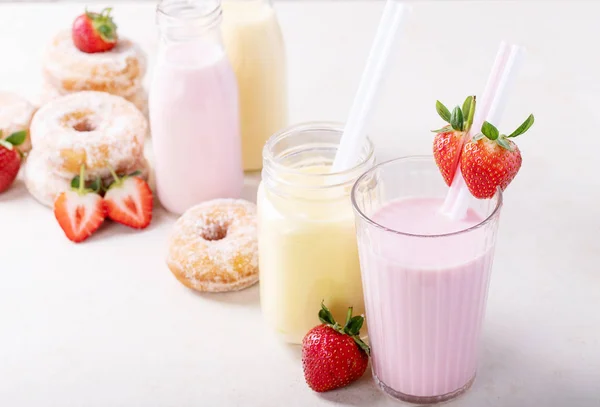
point(105, 324)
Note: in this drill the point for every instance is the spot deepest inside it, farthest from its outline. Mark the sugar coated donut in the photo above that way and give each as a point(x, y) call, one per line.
point(139, 98)
point(45, 186)
point(118, 71)
point(15, 115)
point(92, 128)
point(213, 246)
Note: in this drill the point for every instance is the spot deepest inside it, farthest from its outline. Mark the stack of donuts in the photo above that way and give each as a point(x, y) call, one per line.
point(119, 71)
point(96, 130)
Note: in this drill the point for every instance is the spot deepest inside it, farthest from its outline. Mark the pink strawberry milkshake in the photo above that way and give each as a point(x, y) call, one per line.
point(425, 280)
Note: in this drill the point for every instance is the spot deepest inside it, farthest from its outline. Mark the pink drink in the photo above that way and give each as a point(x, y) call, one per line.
point(194, 118)
point(425, 280)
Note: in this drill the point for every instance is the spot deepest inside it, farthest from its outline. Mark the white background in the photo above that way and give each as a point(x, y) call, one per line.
point(104, 323)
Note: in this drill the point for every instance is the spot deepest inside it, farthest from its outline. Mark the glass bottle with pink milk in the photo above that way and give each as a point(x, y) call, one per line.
point(193, 104)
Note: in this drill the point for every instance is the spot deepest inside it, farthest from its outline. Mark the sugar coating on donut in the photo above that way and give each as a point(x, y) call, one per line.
point(45, 186)
point(214, 246)
point(92, 128)
point(41, 183)
point(118, 71)
point(15, 115)
point(139, 98)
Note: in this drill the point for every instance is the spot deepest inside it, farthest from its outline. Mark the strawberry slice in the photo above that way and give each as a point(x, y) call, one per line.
point(79, 211)
point(128, 201)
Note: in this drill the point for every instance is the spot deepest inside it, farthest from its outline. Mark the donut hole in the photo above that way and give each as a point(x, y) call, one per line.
point(79, 120)
point(214, 231)
point(84, 125)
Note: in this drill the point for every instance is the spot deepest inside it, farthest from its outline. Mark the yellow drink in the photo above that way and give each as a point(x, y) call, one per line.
point(307, 254)
point(255, 48)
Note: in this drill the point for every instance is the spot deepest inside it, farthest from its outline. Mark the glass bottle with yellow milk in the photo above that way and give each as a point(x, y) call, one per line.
point(255, 48)
point(307, 241)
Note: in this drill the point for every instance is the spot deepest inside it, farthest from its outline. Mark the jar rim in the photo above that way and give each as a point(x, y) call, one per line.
point(314, 126)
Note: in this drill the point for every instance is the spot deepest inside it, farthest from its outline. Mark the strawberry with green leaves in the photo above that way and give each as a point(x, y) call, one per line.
point(449, 140)
point(334, 356)
point(491, 160)
point(10, 158)
point(94, 32)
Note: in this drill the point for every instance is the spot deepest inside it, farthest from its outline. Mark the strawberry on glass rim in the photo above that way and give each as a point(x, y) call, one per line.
point(10, 158)
point(448, 142)
point(80, 211)
point(94, 32)
point(491, 160)
point(334, 356)
point(128, 201)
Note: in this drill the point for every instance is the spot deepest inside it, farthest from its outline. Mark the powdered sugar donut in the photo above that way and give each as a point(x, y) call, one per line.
point(214, 246)
point(15, 115)
point(94, 129)
point(45, 186)
point(139, 98)
point(119, 71)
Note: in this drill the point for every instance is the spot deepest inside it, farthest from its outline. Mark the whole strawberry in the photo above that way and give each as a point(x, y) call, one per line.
point(491, 160)
point(94, 32)
point(10, 158)
point(334, 356)
point(448, 142)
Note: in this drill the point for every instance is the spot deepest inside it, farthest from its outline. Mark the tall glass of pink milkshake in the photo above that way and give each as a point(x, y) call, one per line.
point(425, 279)
point(194, 113)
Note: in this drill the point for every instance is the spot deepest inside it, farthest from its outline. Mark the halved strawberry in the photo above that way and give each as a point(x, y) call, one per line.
point(129, 201)
point(448, 142)
point(80, 211)
point(491, 160)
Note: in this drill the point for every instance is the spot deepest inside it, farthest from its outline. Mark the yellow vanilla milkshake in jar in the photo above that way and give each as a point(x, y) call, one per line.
point(307, 241)
point(255, 48)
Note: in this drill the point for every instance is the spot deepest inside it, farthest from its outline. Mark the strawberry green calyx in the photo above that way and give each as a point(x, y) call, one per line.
point(351, 327)
point(118, 180)
point(460, 119)
point(104, 24)
point(15, 139)
point(80, 188)
point(457, 120)
point(490, 131)
point(469, 106)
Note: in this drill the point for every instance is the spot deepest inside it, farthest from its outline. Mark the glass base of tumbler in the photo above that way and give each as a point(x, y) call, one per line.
point(423, 400)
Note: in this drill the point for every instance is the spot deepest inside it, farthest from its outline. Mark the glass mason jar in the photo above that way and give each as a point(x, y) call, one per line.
point(307, 241)
point(194, 116)
point(255, 47)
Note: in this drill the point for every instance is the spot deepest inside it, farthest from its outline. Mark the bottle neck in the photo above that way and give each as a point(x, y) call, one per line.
point(189, 20)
